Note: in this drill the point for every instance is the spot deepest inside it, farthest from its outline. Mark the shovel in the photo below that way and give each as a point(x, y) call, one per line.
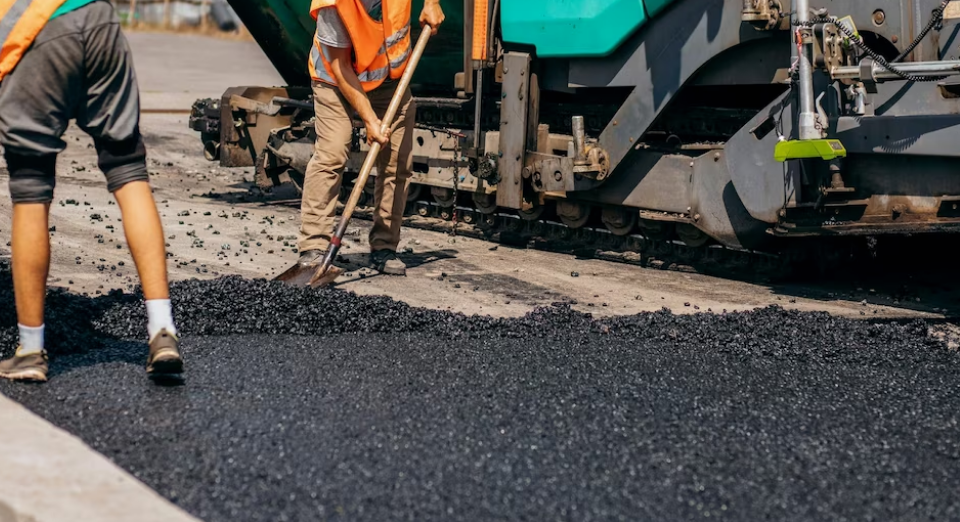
point(326, 273)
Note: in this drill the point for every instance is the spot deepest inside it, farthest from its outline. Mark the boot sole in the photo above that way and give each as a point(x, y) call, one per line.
point(26, 376)
point(383, 269)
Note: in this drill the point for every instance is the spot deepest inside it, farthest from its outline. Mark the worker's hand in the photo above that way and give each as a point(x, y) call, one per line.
point(374, 134)
point(431, 14)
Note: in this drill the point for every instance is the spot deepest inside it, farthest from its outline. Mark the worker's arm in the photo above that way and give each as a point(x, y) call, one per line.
point(431, 14)
point(349, 84)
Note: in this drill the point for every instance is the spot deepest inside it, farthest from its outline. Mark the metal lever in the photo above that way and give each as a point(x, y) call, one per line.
point(579, 141)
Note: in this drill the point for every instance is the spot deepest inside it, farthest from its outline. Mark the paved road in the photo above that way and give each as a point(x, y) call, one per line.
point(378, 411)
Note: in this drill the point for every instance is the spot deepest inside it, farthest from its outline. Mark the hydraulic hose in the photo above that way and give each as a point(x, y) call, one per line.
point(937, 17)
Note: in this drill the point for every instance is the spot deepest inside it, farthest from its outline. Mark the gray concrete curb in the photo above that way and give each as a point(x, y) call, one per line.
point(48, 475)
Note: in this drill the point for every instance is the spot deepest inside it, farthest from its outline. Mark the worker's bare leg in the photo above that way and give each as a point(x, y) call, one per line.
point(31, 264)
point(31, 190)
point(31, 261)
point(144, 233)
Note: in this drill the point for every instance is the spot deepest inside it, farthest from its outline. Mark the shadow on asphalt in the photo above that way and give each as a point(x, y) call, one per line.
point(353, 265)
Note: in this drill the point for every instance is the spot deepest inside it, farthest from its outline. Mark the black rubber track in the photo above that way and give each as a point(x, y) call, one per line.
point(378, 411)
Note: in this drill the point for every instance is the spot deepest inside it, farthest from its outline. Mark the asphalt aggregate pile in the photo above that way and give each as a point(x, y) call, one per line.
point(323, 405)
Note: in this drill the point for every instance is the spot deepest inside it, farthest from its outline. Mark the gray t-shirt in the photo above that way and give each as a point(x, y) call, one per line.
point(330, 28)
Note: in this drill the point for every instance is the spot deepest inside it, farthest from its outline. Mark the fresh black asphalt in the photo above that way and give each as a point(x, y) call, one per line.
point(322, 405)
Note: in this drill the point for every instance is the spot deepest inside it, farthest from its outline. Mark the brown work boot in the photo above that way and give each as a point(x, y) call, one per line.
point(164, 354)
point(301, 273)
point(31, 367)
point(311, 257)
point(386, 262)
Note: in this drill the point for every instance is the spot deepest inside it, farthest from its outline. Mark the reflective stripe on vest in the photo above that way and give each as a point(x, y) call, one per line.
point(320, 69)
point(372, 67)
point(398, 49)
point(397, 36)
point(20, 23)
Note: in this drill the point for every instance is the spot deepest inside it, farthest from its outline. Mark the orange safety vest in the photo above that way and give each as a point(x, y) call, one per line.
point(20, 23)
point(380, 49)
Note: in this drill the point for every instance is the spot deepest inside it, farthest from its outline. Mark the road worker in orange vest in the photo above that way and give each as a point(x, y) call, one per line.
point(360, 50)
point(67, 60)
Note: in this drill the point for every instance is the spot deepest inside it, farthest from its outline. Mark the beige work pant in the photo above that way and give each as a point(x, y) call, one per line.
point(324, 174)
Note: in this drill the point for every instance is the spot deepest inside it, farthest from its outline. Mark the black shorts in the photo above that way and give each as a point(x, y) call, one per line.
point(78, 68)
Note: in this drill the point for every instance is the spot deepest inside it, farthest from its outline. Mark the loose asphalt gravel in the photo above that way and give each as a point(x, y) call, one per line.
point(322, 405)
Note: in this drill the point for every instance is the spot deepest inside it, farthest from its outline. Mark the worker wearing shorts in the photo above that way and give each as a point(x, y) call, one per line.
point(365, 83)
point(78, 66)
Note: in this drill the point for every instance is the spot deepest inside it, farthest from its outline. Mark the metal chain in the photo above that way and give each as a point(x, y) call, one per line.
point(457, 158)
point(456, 183)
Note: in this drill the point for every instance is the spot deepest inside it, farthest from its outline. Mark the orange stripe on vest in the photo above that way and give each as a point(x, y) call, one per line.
point(19, 26)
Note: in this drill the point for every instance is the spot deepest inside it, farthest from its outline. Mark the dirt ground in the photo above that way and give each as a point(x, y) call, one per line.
point(216, 226)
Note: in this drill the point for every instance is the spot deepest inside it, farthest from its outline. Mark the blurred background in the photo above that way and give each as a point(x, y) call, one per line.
point(211, 17)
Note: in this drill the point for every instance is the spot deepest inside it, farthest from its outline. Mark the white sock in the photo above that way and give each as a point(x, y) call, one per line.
point(31, 339)
point(159, 316)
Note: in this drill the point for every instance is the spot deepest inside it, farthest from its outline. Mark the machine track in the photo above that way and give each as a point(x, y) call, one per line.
point(664, 248)
point(594, 241)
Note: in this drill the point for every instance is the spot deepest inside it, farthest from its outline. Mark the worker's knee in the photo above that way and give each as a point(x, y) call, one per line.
point(122, 162)
point(32, 178)
point(405, 167)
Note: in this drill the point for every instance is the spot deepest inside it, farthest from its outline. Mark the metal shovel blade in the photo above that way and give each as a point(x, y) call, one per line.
point(297, 275)
point(300, 275)
point(320, 280)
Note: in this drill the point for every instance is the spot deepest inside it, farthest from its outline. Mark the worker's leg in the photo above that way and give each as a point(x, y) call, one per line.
point(144, 233)
point(393, 174)
point(37, 100)
point(111, 115)
point(31, 188)
point(31, 263)
point(321, 185)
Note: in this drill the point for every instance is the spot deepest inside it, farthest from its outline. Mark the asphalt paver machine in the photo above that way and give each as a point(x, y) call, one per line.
point(734, 125)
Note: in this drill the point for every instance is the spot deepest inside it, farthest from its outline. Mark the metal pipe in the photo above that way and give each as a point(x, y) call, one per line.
point(940, 68)
point(579, 140)
point(478, 110)
point(288, 102)
point(808, 129)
